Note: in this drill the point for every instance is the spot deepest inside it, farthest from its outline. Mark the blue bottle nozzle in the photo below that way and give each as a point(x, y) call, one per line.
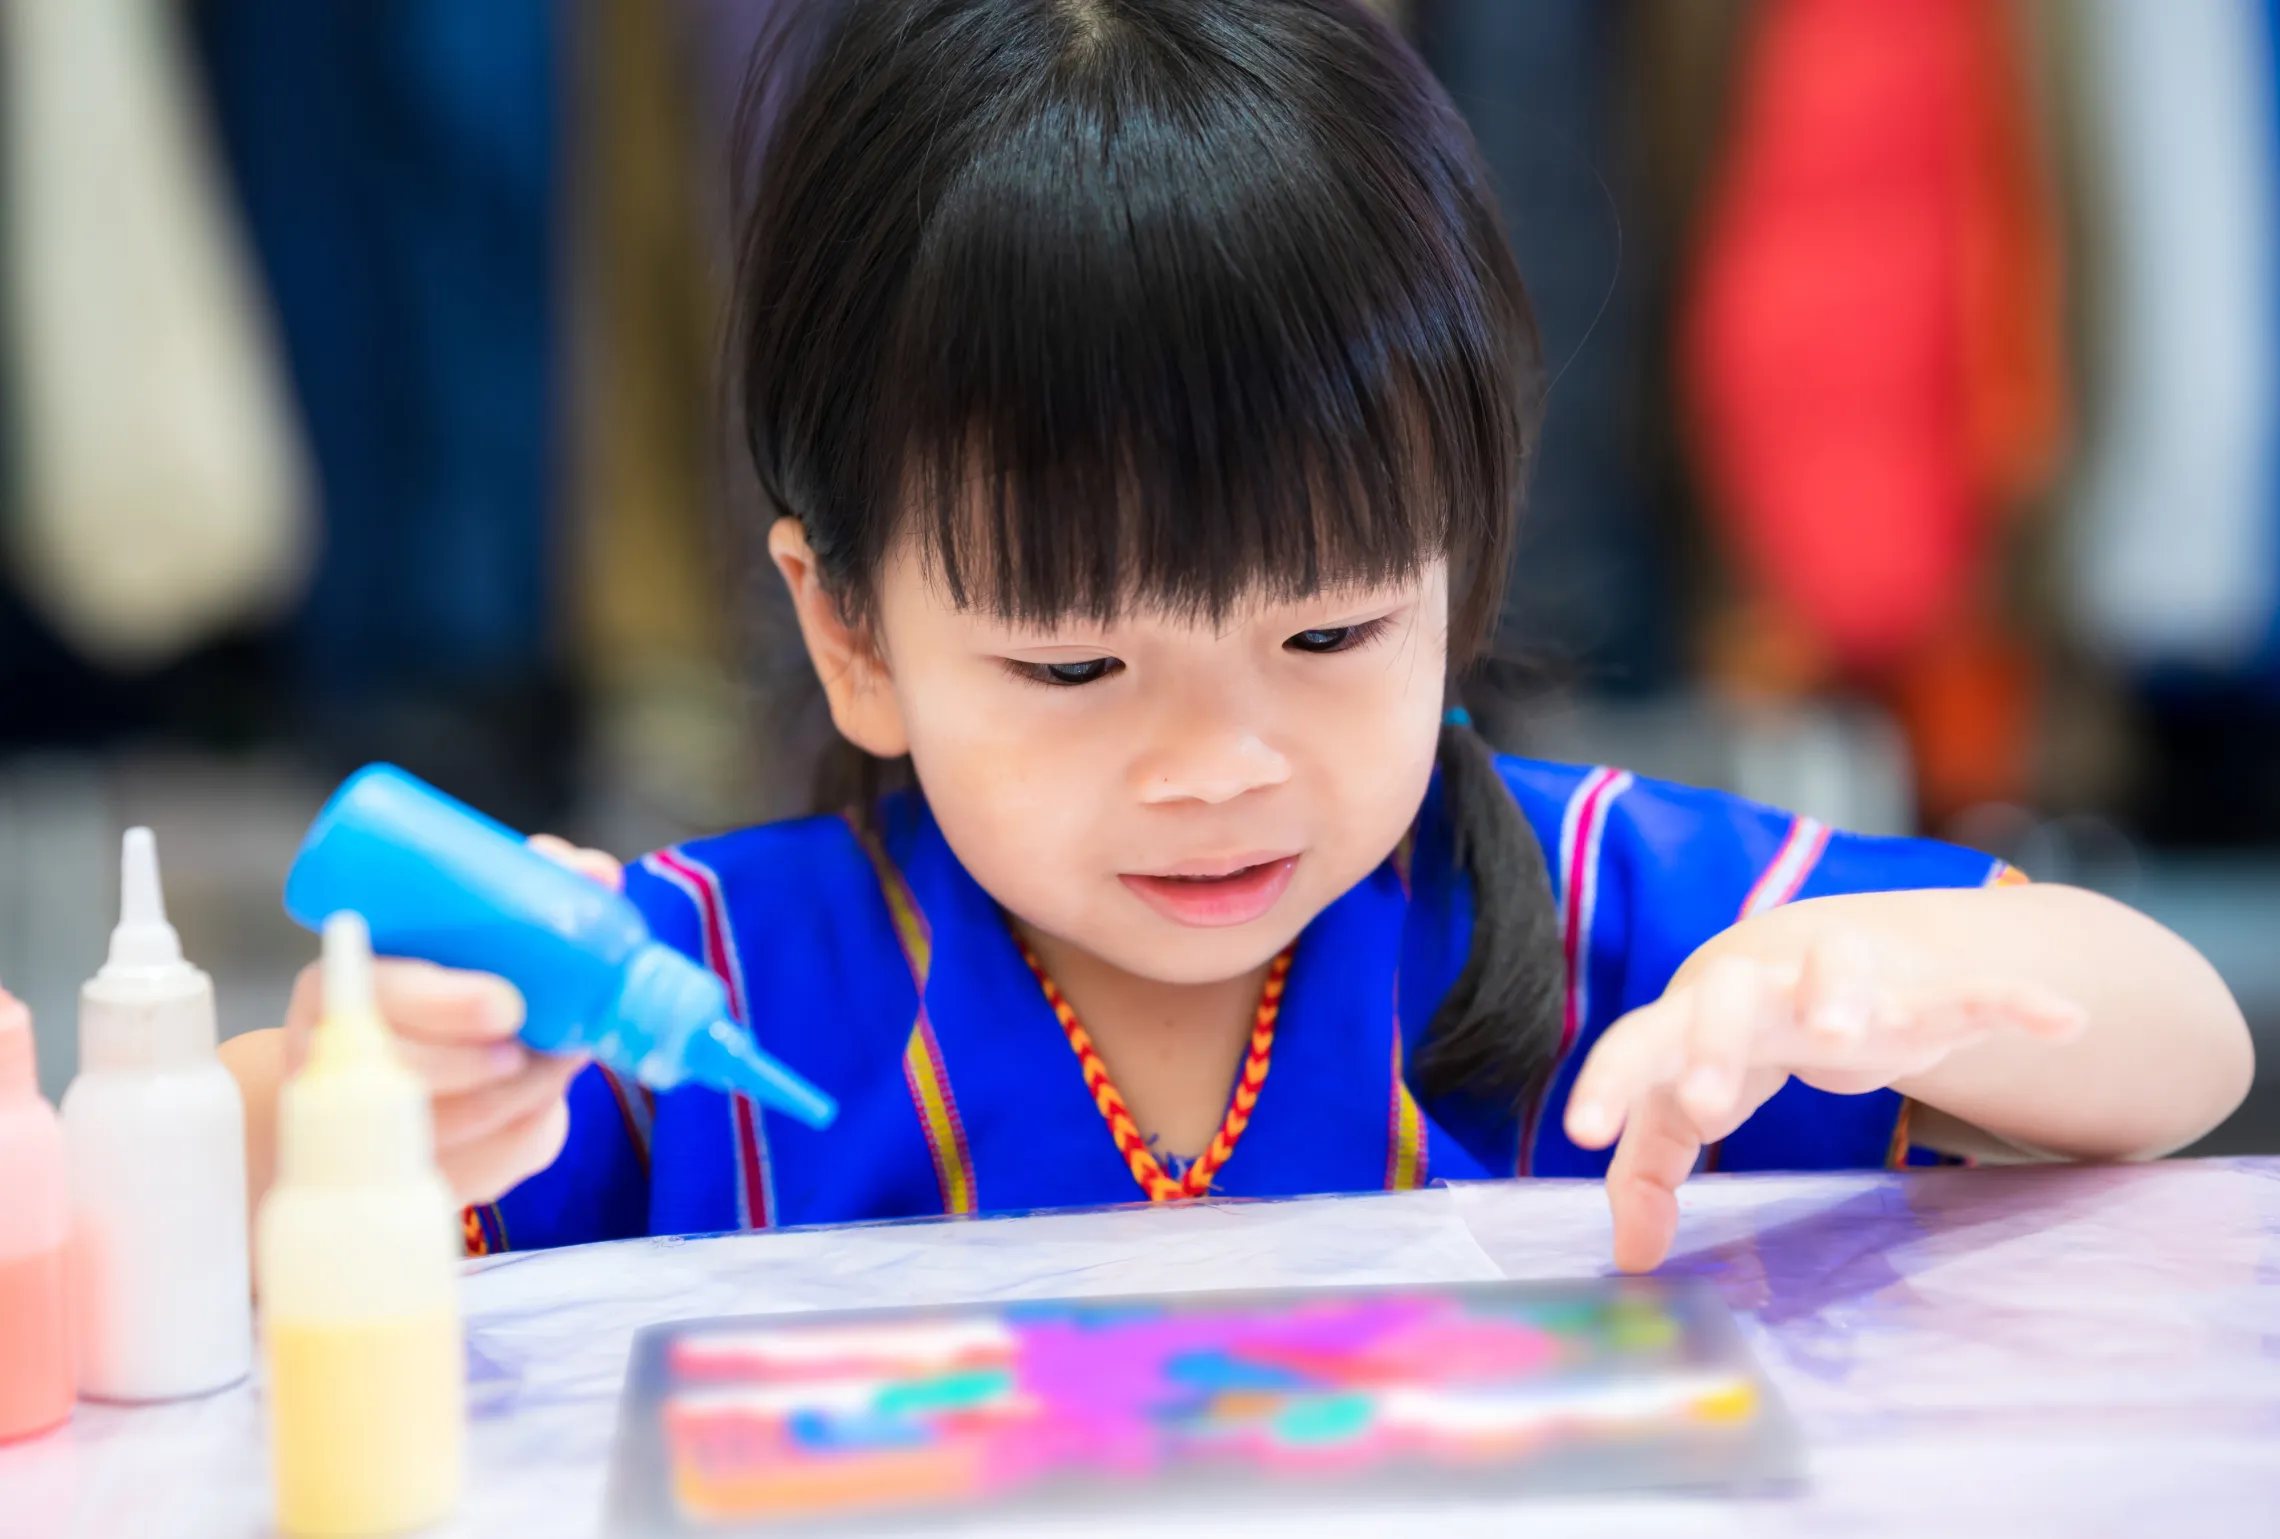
point(659, 985)
point(722, 1055)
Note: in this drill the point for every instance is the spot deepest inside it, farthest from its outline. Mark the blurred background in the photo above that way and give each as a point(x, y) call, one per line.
point(1916, 372)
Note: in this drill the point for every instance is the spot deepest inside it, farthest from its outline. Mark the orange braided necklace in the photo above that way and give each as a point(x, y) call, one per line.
point(1196, 1181)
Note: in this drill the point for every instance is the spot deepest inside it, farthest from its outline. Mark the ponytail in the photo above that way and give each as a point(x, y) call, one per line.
point(1496, 1035)
point(849, 782)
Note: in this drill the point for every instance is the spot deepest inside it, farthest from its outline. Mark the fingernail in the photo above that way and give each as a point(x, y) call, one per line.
point(506, 1005)
point(1590, 1121)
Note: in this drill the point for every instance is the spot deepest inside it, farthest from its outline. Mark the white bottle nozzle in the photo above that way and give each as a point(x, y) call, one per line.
point(146, 1006)
point(143, 938)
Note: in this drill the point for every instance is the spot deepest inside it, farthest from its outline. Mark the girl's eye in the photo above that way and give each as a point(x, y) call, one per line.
point(1067, 674)
point(1335, 638)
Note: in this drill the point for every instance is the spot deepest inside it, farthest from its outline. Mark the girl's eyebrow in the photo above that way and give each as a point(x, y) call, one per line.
point(1031, 637)
point(1377, 609)
point(1086, 647)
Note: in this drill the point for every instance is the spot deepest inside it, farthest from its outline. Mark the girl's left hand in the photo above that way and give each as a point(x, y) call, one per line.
point(1856, 1015)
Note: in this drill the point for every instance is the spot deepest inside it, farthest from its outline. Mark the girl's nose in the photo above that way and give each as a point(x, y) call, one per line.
point(1210, 767)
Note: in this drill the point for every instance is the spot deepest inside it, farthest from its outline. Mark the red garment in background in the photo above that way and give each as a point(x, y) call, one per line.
point(1873, 351)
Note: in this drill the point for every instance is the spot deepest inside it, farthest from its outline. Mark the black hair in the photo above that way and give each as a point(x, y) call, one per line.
point(1159, 303)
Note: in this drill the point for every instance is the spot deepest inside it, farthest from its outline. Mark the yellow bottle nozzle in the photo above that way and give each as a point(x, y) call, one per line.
point(354, 1113)
point(351, 1031)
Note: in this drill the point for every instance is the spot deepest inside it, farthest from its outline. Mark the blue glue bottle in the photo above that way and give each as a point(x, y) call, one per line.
point(437, 880)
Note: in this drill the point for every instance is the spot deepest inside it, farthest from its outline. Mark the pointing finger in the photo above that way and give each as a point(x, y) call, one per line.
point(1643, 1049)
point(1654, 1159)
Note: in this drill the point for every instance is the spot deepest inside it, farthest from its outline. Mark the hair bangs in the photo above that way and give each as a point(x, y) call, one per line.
point(1151, 356)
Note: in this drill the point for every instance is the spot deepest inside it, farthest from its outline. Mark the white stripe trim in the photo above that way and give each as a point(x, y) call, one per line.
point(688, 889)
point(1586, 823)
point(1583, 829)
point(722, 930)
point(741, 1003)
point(1571, 817)
point(718, 937)
point(1792, 865)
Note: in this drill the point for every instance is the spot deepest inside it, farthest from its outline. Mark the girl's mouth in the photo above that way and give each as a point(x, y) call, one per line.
point(1236, 896)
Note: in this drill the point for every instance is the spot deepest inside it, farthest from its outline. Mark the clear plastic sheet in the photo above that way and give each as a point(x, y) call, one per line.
point(2069, 1351)
point(1211, 1405)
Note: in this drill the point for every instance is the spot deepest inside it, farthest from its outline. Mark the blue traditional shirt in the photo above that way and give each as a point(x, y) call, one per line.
point(873, 964)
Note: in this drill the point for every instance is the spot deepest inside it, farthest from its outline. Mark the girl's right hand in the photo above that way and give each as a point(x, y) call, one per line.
point(500, 1110)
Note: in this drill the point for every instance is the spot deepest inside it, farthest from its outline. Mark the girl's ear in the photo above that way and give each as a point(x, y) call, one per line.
point(854, 675)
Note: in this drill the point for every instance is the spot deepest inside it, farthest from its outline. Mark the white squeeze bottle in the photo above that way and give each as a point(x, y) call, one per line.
point(155, 1134)
point(359, 1264)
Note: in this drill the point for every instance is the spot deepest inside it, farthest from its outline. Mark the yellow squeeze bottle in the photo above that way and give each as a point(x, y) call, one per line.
point(357, 1254)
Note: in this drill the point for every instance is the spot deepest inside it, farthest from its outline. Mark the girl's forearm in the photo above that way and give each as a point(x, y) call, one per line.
point(2165, 1056)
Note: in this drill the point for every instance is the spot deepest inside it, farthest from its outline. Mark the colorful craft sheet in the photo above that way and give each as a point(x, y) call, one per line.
point(1204, 1400)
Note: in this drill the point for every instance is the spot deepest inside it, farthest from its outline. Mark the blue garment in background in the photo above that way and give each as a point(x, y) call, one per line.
point(1540, 85)
point(2176, 519)
point(398, 165)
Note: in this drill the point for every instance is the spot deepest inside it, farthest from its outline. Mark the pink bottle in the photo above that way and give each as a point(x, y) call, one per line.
point(37, 1374)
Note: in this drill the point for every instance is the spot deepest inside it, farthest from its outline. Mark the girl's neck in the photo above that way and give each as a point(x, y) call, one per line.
point(1173, 1049)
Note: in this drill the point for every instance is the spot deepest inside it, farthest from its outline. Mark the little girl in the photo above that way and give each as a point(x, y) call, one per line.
point(1143, 390)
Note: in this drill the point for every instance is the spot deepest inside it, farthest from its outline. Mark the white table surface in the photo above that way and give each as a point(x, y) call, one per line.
point(2075, 1352)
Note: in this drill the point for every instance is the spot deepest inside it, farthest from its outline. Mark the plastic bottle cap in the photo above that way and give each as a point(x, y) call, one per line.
point(143, 938)
point(146, 1009)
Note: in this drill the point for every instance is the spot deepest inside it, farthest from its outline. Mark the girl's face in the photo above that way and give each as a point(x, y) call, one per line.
point(1175, 797)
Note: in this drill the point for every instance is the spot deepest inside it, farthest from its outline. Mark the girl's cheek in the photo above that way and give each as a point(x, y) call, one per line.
point(1003, 762)
point(1379, 724)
